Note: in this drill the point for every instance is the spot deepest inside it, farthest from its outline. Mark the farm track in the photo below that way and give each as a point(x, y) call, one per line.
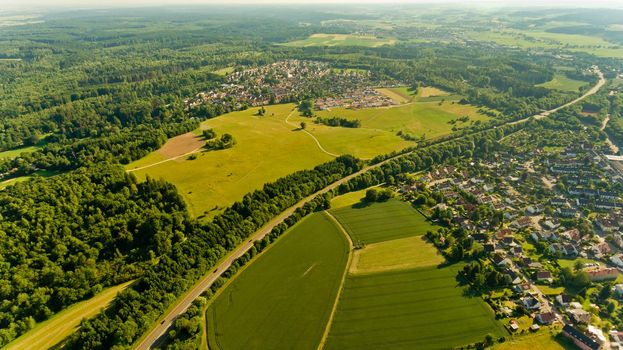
point(166, 321)
point(322, 149)
point(165, 160)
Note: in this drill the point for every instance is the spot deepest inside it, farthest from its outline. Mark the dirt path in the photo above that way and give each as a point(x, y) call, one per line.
point(323, 340)
point(310, 134)
point(614, 148)
point(166, 160)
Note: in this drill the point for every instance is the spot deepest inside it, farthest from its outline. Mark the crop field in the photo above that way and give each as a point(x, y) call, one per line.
point(562, 83)
point(341, 40)
point(54, 330)
point(421, 308)
point(284, 298)
point(382, 221)
point(396, 254)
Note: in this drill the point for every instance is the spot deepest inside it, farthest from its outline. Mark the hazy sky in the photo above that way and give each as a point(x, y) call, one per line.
point(31, 4)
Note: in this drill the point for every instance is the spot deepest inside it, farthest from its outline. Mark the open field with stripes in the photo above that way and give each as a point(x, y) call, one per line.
point(284, 298)
point(421, 308)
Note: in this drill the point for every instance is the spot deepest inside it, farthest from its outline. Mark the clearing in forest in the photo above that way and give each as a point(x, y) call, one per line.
point(341, 40)
point(284, 298)
point(54, 330)
point(563, 83)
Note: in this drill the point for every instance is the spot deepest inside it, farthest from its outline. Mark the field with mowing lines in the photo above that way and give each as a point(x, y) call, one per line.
point(412, 309)
point(341, 40)
point(54, 330)
point(397, 254)
point(562, 83)
point(379, 222)
point(284, 298)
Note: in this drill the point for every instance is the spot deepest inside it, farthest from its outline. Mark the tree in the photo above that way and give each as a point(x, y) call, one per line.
point(372, 195)
point(303, 125)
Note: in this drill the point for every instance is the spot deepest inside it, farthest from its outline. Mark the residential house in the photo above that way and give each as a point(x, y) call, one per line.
point(579, 315)
point(617, 259)
point(618, 289)
point(546, 318)
point(530, 303)
point(543, 276)
point(602, 274)
point(522, 222)
point(580, 339)
point(563, 299)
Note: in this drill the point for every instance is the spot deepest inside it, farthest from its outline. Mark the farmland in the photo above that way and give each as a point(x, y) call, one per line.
point(410, 309)
point(286, 295)
point(396, 254)
point(341, 40)
point(561, 82)
point(382, 221)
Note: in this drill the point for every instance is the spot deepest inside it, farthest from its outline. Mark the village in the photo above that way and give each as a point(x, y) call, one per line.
point(549, 221)
point(293, 80)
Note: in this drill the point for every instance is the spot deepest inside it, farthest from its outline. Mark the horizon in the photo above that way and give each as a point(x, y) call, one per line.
point(22, 5)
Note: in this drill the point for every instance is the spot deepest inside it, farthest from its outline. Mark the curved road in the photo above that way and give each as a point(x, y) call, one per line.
point(184, 302)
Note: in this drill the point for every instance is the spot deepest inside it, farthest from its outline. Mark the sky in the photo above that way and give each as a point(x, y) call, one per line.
point(34, 4)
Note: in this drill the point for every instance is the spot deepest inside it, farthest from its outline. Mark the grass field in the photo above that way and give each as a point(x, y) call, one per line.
point(54, 330)
point(284, 298)
point(14, 153)
point(224, 71)
point(382, 221)
point(412, 309)
point(341, 40)
point(348, 199)
point(397, 254)
point(541, 340)
point(562, 83)
point(380, 125)
point(266, 149)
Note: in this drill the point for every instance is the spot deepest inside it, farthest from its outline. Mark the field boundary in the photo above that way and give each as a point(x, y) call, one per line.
point(337, 224)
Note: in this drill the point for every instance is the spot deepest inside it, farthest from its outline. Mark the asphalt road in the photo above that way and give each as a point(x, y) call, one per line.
point(182, 304)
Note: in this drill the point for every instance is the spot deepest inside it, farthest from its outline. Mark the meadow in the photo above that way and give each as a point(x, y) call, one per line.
point(562, 83)
point(14, 153)
point(378, 222)
point(54, 330)
point(268, 147)
point(284, 298)
point(420, 308)
point(341, 40)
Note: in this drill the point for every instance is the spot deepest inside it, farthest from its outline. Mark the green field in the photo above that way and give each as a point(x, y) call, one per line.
point(284, 298)
point(14, 153)
point(382, 221)
point(411, 309)
point(429, 118)
point(54, 330)
point(348, 199)
point(266, 149)
point(542, 340)
point(341, 40)
point(562, 83)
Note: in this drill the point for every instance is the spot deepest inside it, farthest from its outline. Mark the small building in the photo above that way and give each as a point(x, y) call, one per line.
point(603, 274)
point(544, 276)
point(579, 315)
point(563, 299)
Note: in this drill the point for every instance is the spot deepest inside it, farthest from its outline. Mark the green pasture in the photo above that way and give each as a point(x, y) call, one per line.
point(563, 83)
point(54, 330)
point(283, 300)
point(412, 309)
point(377, 222)
point(341, 40)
